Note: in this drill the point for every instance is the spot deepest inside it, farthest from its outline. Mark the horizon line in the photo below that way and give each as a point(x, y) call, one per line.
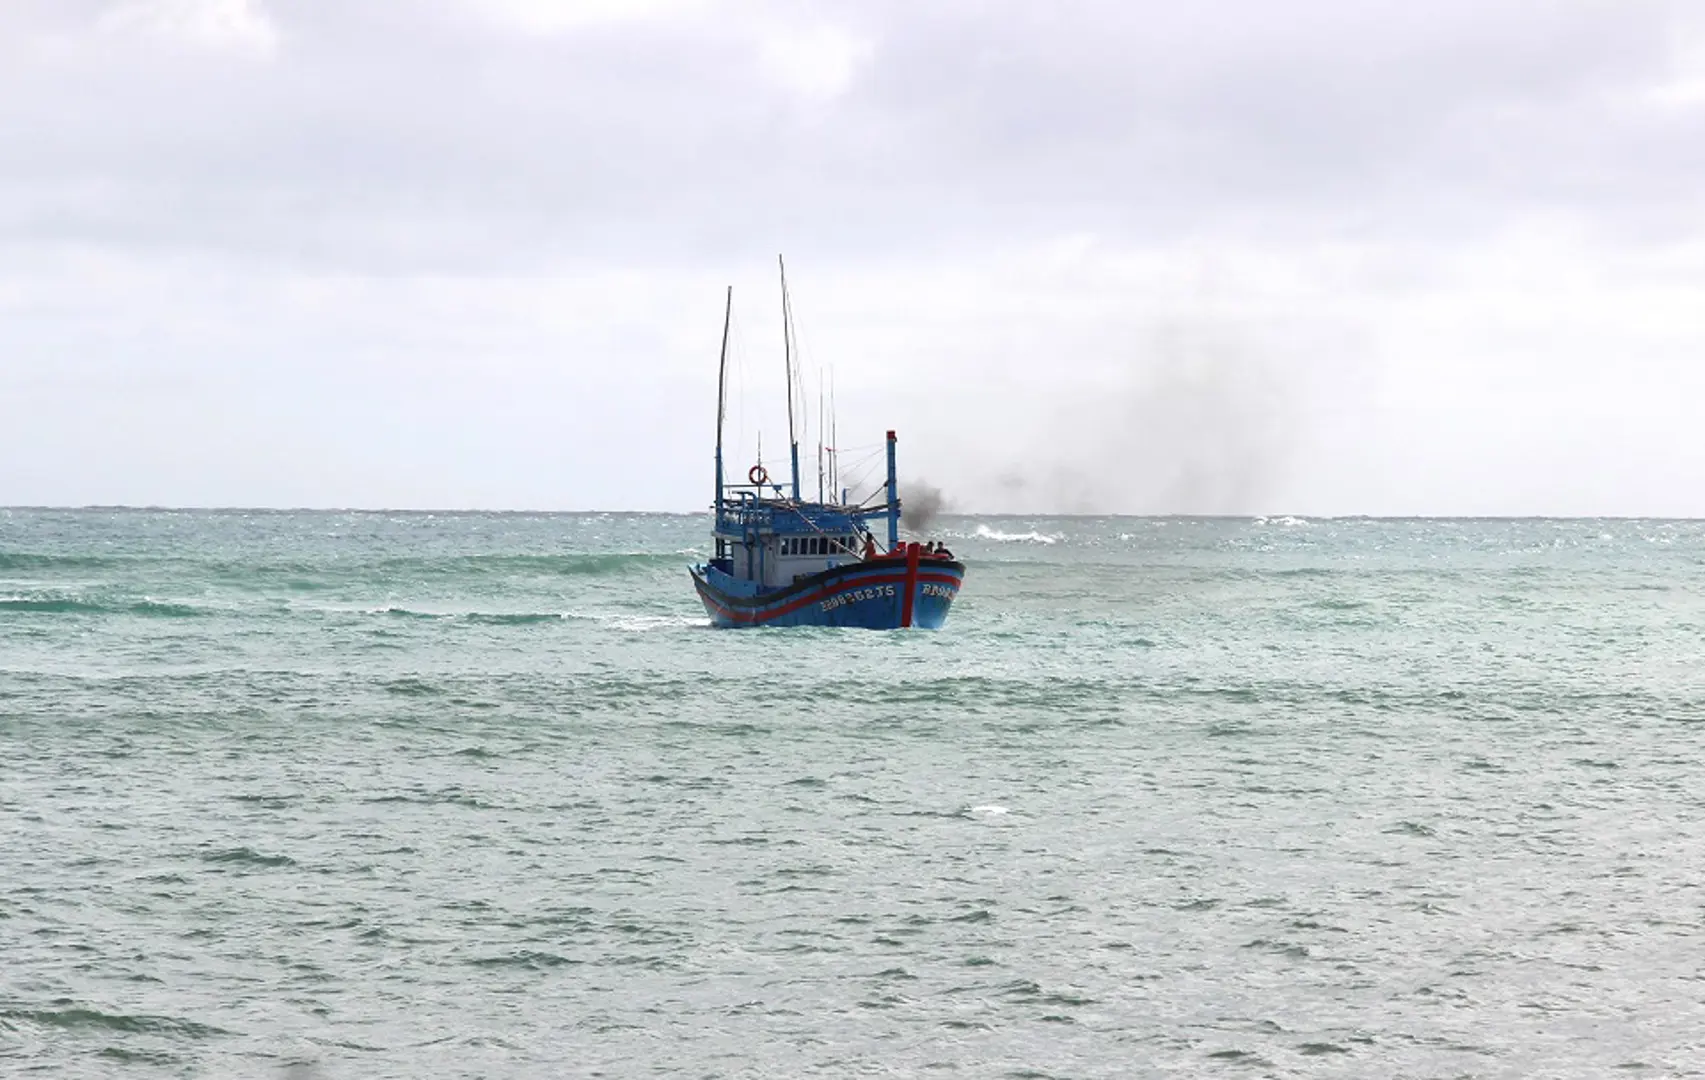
point(1153, 516)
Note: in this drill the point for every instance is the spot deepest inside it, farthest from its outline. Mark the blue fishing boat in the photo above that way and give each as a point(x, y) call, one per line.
point(781, 560)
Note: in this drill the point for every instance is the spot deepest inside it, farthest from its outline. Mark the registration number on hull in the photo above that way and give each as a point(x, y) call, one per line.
point(853, 596)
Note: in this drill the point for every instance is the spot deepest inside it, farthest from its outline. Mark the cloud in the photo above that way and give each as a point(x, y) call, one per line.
point(819, 61)
point(563, 16)
point(236, 26)
point(397, 137)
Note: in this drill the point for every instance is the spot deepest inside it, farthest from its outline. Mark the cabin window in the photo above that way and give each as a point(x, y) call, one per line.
point(816, 546)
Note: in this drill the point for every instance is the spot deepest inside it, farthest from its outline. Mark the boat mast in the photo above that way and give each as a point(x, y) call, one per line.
point(820, 430)
point(787, 352)
point(722, 405)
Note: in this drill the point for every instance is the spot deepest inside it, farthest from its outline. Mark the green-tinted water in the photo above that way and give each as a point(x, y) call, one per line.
point(478, 795)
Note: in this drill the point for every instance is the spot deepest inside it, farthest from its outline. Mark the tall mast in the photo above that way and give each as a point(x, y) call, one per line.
point(834, 443)
point(722, 395)
point(787, 352)
point(893, 499)
point(820, 430)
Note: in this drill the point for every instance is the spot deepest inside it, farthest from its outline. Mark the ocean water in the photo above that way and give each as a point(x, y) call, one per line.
point(320, 795)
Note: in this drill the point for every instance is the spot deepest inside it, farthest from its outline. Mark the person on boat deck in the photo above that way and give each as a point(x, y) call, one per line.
point(929, 548)
point(869, 547)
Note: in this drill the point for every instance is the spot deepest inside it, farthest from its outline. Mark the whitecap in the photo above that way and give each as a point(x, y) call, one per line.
point(986, 533)
point(624, 620)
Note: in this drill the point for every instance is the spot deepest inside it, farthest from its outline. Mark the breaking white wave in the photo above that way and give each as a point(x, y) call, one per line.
point(620, 620)
point(986, 533)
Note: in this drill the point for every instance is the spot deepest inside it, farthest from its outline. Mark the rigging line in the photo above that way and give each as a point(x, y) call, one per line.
point(859, 471)
point(860, 468)
point(737, 350)
point(722, 402)
point(874, 491)
point(799, 359)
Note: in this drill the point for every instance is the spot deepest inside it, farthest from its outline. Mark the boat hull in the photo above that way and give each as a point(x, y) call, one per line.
point(882, 594)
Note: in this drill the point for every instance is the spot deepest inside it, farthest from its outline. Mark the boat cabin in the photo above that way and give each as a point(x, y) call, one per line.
point(773, 543)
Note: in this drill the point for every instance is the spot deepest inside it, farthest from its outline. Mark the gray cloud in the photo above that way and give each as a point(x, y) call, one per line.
point(395, 137)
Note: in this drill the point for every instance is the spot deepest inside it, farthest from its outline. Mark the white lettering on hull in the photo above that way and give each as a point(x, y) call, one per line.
point(854, 596)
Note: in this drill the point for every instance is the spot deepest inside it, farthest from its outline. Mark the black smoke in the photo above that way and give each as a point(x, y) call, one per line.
point(920, 505)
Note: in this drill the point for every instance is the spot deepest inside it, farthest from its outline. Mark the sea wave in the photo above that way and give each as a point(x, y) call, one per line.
point(74, 1018)
point(27, 560)
point(315, 574)
point(621, 620)
point(600, 564)
point(64, 605)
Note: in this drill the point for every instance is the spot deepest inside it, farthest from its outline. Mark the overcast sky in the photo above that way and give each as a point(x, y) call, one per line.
point(1317, 257)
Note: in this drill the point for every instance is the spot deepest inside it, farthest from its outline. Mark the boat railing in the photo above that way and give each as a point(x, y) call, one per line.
point(742, 515)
